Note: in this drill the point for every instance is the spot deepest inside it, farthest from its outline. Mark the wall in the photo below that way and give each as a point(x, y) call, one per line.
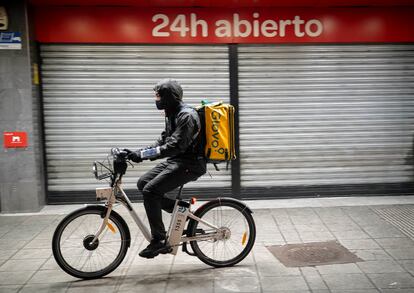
point(21, 170)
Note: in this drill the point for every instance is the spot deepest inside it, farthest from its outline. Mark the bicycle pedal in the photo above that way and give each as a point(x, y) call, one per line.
point(166, 250)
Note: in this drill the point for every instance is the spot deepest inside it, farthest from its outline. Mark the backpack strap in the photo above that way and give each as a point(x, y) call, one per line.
point(188, 109)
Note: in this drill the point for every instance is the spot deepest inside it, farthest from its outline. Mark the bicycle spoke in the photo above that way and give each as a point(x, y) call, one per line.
point(72, 247)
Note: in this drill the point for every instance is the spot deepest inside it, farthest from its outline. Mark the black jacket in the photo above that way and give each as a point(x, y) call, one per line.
point(182, 123)
point(179, 137)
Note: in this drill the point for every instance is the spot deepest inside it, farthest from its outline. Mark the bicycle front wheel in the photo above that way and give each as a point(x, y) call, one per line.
point(237, 232)
point(74, 250)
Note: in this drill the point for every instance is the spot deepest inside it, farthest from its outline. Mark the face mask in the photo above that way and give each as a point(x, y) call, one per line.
point(160, 105)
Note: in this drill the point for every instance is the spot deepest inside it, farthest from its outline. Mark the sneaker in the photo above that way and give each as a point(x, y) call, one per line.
point(154, 248)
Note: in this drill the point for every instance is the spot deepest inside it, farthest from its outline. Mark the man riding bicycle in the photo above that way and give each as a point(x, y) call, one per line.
point(178, 144)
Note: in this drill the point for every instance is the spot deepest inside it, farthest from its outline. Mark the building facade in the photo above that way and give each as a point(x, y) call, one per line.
point(324, 95)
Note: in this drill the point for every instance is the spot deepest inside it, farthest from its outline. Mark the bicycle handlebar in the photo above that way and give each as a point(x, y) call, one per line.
point(114, 168)
point(118, 154)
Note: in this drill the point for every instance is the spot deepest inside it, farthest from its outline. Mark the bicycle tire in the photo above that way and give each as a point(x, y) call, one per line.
point(97, 213)
point(228, 205)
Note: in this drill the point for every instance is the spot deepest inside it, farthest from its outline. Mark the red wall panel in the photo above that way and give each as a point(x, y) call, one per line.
point(213, 25)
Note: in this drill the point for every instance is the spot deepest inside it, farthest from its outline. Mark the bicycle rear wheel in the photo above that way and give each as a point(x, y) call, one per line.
point(73, 248)
point(237, 229)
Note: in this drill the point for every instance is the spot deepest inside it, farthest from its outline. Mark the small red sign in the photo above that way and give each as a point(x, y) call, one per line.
point(15, 139)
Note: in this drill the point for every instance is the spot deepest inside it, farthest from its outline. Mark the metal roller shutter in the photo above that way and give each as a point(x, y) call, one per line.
point(326, 115)
point(100, 96)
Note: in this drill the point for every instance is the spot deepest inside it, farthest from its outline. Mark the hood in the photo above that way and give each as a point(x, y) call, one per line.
point(171, 93)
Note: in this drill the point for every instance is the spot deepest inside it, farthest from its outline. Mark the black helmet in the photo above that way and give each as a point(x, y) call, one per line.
point(170, 92)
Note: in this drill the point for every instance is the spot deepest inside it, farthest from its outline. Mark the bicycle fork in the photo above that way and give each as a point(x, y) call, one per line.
point(105, 222)
point(110, 195)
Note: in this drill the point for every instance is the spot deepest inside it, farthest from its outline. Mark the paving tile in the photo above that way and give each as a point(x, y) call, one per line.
point(186, 259)
point(401, 253)
point(38, 243)
point(244, 284)
point(383, 231)
point(291, 237)
point(4, 230)
point(329, 217)
point(311, 228)
point(6, 244)
point(33, 253)
point(276, 269)
point(6, 254)
point(287, 228)
point(236, 271)
point(372, 254)
point(269, 236)
point(360, 244)
point(45, 234)
point(19, 234)
point(50, 264)
point(301, 212)
point(10, 288)
point(306, 220)
point(282, 220)
point(407, 264)
point(355, 291)
point(263, 255)
point(51, 276)
point(406, 290)
point(316, 283)
point(275, 290)
point(334, 227)
point(15, 278)
point(350, 234)
point(349, 268)
point(285, 283)
point(193, 285)
point(381, 266)
point(196, 271)
point(150, 284)
point(107, 284)
point(12, 221)
point(45, 288)
point(347, 281)
point(43, 220)
point(21, 265)
point(369, 220)
point(392, 280)
point(332, 214)
point(148, 270)
point(395, 242)
point(316, 236)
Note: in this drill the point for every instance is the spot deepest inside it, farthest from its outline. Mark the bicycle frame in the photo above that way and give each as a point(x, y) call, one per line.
point(175, 232)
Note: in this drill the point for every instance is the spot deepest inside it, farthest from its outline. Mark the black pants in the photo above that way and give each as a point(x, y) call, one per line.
point(161, 179)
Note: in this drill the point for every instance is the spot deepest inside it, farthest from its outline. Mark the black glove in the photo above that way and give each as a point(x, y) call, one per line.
point(128, 151)
point(135, 156)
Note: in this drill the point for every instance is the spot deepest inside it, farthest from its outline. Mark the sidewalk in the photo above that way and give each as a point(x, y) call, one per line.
point(378, 230)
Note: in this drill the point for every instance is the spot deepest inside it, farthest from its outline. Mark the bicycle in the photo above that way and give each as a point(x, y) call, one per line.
point(91, 242)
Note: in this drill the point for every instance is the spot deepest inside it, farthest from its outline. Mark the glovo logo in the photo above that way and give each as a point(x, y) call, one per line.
point(215, 126)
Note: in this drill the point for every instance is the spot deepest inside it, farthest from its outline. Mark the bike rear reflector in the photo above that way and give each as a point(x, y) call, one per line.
point(244, 238)
point(111, 227)
point(193, 200)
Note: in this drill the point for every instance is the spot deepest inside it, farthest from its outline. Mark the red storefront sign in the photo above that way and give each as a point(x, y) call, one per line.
point(211, 25)
point(15, 139)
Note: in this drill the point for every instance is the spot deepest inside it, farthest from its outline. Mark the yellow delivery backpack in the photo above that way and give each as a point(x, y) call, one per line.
point(217, 132)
